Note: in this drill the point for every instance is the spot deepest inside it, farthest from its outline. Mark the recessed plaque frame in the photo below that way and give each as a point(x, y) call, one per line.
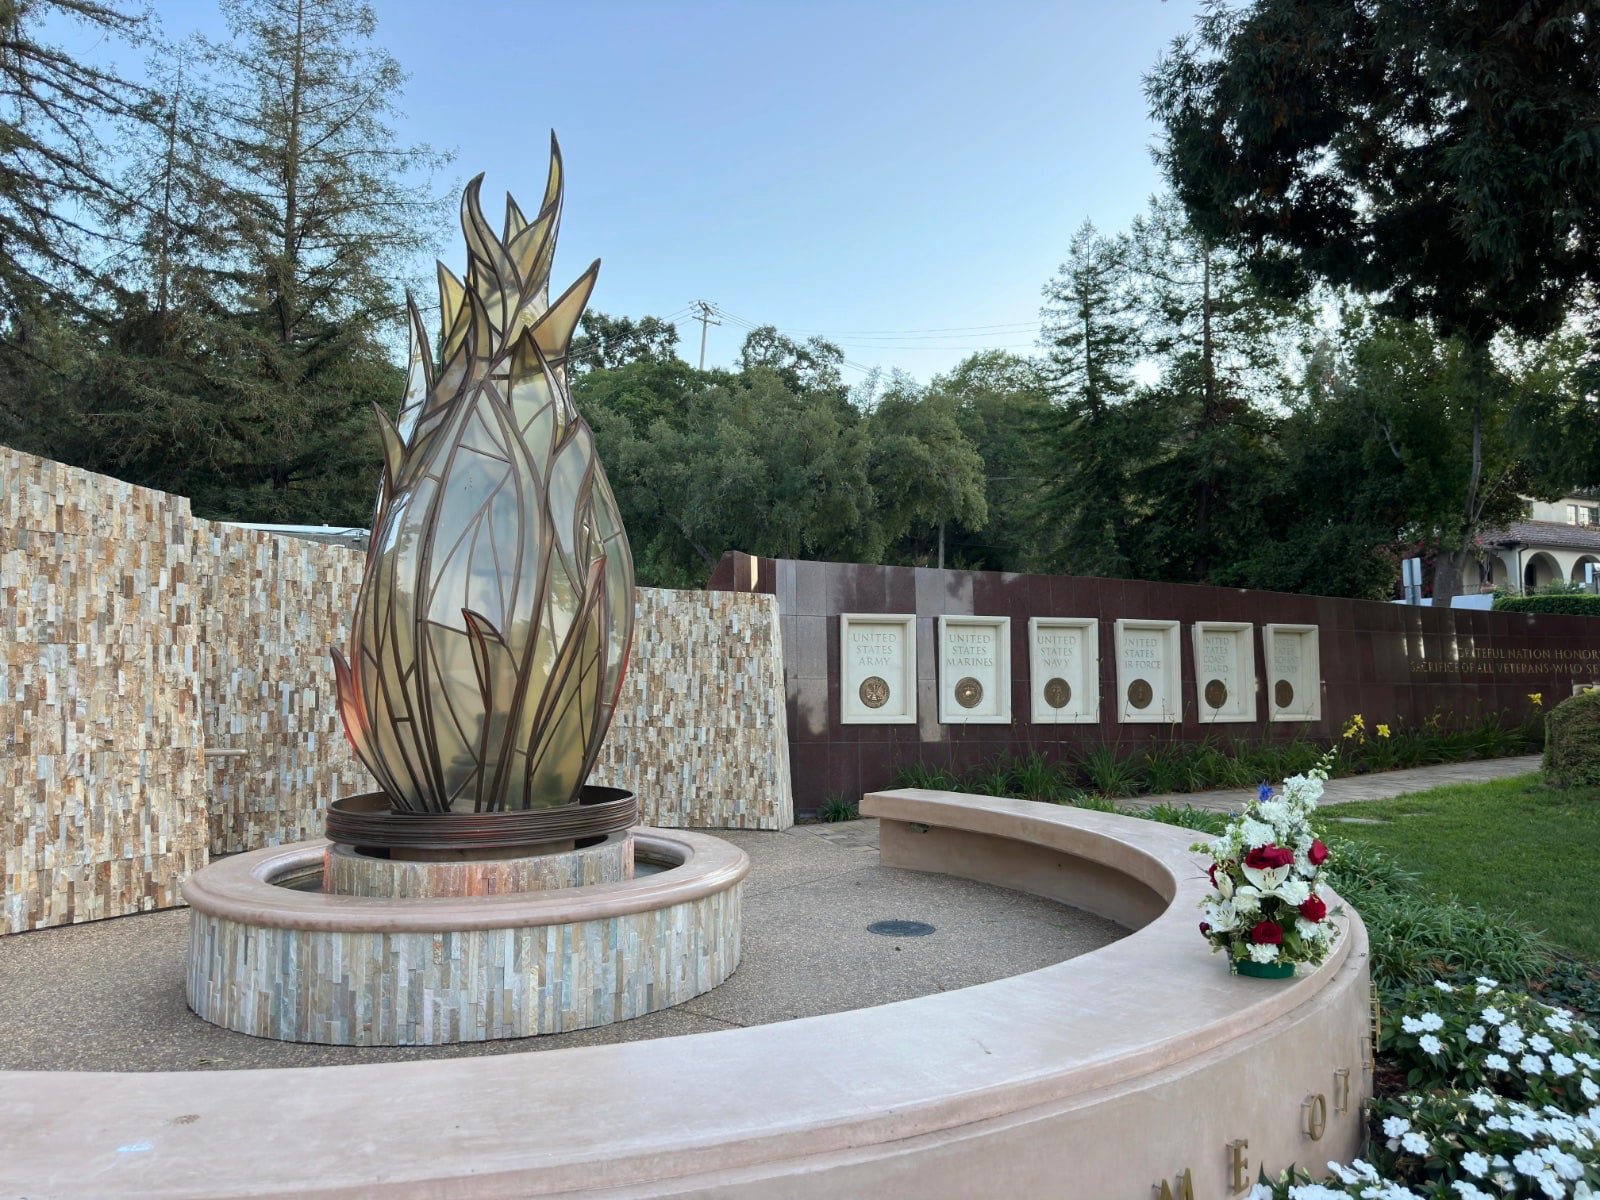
point(877, 669)
point(1225, 671)
point(1293, 658)
point(974, 670)
point(1148, 655)
point(1064, 657)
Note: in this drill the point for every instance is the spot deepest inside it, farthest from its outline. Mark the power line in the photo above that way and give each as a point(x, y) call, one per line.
point(703, 311)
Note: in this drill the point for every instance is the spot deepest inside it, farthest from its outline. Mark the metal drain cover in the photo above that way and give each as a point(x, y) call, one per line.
point(900, 928)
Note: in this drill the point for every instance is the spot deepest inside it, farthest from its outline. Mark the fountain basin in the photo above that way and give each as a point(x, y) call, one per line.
point(304, 966)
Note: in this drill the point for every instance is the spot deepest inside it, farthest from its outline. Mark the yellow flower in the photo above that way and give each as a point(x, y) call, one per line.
point(1383, 731)
point(1537, 698)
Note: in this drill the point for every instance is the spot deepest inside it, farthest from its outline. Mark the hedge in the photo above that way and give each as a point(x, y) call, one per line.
point(1582, 604)
point(1572, 742)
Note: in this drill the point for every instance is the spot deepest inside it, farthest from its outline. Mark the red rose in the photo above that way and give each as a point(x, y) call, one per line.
point(1318, 854)
point(1314, 909)
point(1267, 933)
point(1205, 928)
point(1212, 871)
point(1266, 858)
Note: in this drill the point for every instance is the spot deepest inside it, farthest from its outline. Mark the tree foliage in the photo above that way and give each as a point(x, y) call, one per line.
point(1438, 157)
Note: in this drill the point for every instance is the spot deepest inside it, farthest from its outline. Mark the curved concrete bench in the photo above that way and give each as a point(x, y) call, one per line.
point(1096, 1077)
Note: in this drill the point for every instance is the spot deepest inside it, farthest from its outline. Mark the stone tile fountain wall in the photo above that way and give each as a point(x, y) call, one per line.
point(165, 691)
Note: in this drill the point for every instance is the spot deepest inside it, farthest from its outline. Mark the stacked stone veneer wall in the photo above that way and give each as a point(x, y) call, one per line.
point(102, 783)
point(166, 690)
point(270, 608)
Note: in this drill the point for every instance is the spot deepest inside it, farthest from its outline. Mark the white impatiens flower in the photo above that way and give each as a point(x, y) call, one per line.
point(1468, 1191)
point(1528, 1163)
point(1474, 1164)
point(1493, 1015)
point(1561, 1066)
point(1497, 1062)
point(1559, 1019)
point(1532, 1064)
point(1590, 1089)
point(1587, 1060)
point(1482, 1101)
point(1395, 1127)
point(1415, 1143)
point(1551, 1186)
point(1432, 1021)
point(1443, 986)
point(1539, 1044)
point(1475, 1034)
point(1430, 1045)
point(1411, 1025)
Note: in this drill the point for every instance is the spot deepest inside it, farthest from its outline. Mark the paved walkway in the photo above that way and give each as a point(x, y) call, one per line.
point(108, 995)
point(1379, 785)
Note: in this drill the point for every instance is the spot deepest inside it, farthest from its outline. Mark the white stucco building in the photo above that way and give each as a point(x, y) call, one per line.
point(1555, 542)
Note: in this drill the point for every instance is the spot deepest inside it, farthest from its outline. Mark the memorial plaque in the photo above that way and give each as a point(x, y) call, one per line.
point(1225, 668)
point(1064, 670)
point(1147, 671)
point(877, 669)
point(974, 670)
point(1295, 667)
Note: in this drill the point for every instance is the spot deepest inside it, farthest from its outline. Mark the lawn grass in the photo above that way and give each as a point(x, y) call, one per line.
point(1512, 845)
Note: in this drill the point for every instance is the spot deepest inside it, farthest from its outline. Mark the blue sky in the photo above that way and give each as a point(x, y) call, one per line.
point(858, 169)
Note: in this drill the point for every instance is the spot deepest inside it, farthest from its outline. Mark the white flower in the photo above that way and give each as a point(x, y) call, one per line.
point(1293, 892)
point(1551, 1186)
point(1260, 1192)
point(1443, 986)
point(1561, 1066)
point(1415, 1143)
point(1469, 1192)
point(1475, 1034)
point(1263, 954)
point(1224, 884)
point(1474, 1164)
point(1482, 1101)
point(1411, 1024)
point(1532, 1064)
point(1528, 1163)
point(1539, 1043)
point(1559, 1019)
point(1493, 1015)
point(1484, 981)
point(1587, 1059)
point(1590, 1090)
point(1563, 1164)
point(1395, 1126)
point(1432, 1021)
point(1430, 1045)
point(1497, 1123)
point(1496, 1062)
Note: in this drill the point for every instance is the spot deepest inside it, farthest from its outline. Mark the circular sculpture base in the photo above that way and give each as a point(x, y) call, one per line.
point(303, 966)
point(346, 871)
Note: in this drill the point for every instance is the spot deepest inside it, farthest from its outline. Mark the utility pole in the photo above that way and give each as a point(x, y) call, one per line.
point(702, 313)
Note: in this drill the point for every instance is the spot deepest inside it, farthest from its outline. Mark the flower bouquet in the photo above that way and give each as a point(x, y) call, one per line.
point(1267, 909)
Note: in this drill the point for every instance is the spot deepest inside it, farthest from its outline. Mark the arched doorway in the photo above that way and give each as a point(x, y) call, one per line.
point(1578, 568)
point(1539, 570)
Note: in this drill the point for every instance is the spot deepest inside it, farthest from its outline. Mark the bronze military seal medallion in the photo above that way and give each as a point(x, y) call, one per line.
point(874, 691)
point(1283, 693)
point(1057, 692)
point(1140, 693)
point(1216, 693)
point(968, 692)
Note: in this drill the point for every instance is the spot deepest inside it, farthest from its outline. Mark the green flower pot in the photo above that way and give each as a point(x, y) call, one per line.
point(1271, 970)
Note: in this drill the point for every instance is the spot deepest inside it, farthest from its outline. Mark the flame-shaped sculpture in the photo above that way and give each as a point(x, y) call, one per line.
point(494, 621)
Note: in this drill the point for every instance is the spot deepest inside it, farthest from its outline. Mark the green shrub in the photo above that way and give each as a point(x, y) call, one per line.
point(1108, 774)
point(922, 775)
point(837, 808)
point(1572, 742)
point(1580, 604)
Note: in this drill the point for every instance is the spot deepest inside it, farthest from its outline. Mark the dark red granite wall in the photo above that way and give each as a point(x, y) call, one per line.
point(1388, 662)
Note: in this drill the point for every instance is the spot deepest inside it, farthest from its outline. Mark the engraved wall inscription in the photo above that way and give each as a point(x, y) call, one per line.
point(1147, 671)
point(1294, 672)
point(1225, 671)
